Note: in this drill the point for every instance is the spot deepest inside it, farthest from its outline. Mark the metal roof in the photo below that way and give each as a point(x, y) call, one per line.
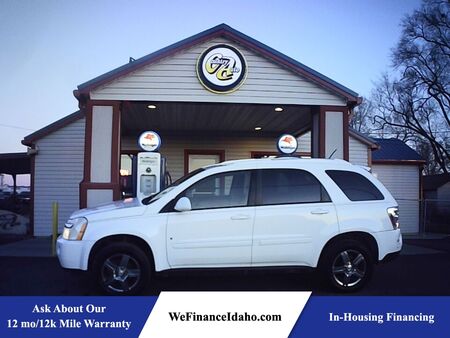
point(227, 32)
point(394, 150)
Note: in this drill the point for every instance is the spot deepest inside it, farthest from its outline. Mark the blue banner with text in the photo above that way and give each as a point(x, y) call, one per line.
point(74, 316)
point(376, 316)
point(338, 316)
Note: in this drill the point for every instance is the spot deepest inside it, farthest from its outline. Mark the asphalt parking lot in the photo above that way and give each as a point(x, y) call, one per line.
point(422, 269)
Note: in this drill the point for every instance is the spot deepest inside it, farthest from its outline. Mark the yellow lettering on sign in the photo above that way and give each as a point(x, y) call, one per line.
point(222, 66)
point(213, 63)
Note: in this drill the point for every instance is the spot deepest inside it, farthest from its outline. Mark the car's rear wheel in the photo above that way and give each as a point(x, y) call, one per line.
point(347, 265)
point(122, 269)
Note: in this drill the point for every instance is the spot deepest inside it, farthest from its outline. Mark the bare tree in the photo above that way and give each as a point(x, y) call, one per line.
point(414, 104)
point(362, 117)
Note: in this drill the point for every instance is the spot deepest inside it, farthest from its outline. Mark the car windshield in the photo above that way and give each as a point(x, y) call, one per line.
point(157, 196)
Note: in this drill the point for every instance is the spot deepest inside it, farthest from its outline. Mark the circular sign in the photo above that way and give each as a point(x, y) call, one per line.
point(287, 144)
point(149, 141)
point(221, 69)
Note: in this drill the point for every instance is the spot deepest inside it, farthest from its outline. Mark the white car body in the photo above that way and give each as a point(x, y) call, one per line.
point(246, 236)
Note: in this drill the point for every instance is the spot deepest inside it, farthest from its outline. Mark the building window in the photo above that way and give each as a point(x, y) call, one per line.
point(127, 163)
point(194, 159)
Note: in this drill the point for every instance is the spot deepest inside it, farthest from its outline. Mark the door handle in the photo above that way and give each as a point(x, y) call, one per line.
point(240, 217)
point(319, 211)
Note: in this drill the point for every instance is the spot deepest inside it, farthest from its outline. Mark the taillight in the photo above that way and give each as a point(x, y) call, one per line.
point(393, 216)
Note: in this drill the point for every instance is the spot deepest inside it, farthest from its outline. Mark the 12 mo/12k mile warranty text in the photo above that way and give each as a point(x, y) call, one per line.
point(67, 324)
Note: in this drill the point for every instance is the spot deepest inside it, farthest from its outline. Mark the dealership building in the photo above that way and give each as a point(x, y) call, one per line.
point(216, 96)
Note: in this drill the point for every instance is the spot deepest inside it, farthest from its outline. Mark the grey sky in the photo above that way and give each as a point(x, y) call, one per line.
point(48, 47)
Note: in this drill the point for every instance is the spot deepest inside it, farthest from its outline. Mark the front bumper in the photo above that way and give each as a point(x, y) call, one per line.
point(389, 242)
point(73, 254)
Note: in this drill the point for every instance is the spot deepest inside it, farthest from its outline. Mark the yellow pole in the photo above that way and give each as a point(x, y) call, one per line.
point(55, 227)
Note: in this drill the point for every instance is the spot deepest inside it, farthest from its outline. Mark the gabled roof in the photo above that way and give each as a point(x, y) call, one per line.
point(433, 182)
point(394, 150)
point(29, 139)
point(232, 34)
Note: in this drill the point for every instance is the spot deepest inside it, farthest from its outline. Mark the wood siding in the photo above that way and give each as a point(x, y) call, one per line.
point(403, 183)
point(235, 149)
point(174, 79)
point(58, 172)
point(358, 152)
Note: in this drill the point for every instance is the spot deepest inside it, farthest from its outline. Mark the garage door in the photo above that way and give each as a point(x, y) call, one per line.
point(403, 183)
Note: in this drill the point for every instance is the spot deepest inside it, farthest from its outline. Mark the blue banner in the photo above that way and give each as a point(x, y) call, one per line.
point(323, 316)
point(74, 316)
point(375, 316)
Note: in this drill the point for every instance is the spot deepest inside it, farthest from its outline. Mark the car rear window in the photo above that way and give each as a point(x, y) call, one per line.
point(355, 186)
point(288, 186)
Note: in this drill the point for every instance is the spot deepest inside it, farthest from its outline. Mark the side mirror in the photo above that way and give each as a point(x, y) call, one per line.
point(183, 204)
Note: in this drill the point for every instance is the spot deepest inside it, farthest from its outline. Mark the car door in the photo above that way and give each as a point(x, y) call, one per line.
point(293, 214)
point(218, 229)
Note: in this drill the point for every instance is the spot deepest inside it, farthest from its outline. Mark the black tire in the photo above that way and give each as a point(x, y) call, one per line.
point(122, 269)
point(347, 265)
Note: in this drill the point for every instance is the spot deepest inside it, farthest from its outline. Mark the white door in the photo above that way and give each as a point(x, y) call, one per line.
point(292, 215)
point(218, 229)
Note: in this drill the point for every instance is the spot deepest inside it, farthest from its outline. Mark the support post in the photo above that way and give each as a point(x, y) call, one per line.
point(55, 209)
point(331, 122)
point(102, 154)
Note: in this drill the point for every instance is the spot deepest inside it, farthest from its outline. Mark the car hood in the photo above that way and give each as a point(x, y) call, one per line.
point(125, 208)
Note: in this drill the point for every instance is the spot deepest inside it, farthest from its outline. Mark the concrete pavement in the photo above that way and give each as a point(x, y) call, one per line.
point(32, 247)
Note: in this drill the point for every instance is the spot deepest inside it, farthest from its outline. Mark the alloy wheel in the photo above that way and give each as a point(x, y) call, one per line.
point(120, 273)
point(349, 268)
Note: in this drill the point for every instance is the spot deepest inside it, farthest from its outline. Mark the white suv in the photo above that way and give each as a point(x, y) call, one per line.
point(248, 213)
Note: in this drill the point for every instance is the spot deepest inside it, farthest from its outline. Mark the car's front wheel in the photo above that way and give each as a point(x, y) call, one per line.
point(122, 269)
point(347, 265)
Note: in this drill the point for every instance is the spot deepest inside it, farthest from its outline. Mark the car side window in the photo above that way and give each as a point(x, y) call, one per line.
point(355, 186)
point(223, 190)
point(289, 186)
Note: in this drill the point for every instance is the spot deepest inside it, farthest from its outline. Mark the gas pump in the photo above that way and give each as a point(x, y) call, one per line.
point(148, 174)
point(151, 166)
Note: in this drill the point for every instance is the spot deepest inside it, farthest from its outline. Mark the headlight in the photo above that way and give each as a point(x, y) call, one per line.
point(74, 229)
point(393, 215)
